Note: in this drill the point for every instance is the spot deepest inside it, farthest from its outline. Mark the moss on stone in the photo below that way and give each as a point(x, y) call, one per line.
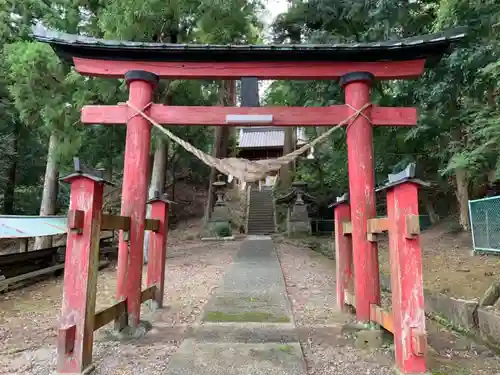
point(247, 316)
point(286, 349)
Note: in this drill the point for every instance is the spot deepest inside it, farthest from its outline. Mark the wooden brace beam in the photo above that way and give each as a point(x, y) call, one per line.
point(152, 225)
point(112, 222)
point(108, 314)
point(75, 221)
point(385, 320)
point(419, 343)
point(382, 318)
point(376, 226)
point(349, 299)
point(346, 227)
point(412, 229)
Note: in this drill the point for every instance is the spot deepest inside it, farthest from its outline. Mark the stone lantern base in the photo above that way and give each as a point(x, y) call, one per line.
point(299, 222)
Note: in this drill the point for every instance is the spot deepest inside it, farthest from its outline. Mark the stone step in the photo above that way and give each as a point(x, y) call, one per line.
point(244, 333)
point(247, 326)
point(237, 359)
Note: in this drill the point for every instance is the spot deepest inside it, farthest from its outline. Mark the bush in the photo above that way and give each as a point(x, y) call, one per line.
point(222, 230)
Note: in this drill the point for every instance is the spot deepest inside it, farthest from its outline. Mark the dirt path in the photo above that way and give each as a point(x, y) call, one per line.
point(28, 317)
point(310, 280)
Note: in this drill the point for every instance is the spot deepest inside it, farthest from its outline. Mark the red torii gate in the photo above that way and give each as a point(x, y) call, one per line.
point(356, 66)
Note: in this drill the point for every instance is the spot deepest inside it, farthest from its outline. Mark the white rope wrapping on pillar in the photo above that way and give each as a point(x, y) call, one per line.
point(243, 169)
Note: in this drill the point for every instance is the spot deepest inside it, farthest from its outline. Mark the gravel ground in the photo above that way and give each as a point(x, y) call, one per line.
point(28, 317)
point(310, 282)
point(28, 322)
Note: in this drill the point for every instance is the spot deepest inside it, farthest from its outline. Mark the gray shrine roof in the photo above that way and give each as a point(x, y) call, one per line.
point(430, 46)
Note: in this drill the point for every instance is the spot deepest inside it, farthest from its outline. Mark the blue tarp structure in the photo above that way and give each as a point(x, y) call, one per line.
point(31, 226)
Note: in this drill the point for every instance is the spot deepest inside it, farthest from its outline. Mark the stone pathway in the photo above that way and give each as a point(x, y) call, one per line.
point(247, 326)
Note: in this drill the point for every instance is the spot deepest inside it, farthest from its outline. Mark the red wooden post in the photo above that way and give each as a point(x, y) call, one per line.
point(406, 278)
point(343, 253)
point(74, 349)
point(158, 250)
point(134, 192)
point(362, 193)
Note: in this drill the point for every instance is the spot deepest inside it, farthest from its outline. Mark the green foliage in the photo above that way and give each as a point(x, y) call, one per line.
point(458, 98)
point(40, 95)
point(222, 230)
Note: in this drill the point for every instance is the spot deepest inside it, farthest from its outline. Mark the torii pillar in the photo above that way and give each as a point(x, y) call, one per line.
point(134, 192)
point(361, 169)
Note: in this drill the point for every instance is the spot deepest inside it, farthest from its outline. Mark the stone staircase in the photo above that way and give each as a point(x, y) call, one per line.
point(261, 212)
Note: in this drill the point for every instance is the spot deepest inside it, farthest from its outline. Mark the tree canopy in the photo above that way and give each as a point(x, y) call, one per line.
point(455, 145)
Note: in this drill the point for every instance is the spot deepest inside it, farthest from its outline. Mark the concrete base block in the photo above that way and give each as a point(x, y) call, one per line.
point(299, 228)
point(129, 333)
point(489, 325)
point(458, 312)
point(354, 327)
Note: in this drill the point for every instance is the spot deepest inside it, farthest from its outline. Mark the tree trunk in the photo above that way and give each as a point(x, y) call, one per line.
point(227, 97)
point(157, 184)
point(462, 192)
point(8, 199)
point(49, 195)
point(429, 208)
point(287, 170)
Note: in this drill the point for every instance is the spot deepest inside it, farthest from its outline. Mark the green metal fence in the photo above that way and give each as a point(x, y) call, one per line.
point(325, 227)
point(322, 227)
point(485, 224)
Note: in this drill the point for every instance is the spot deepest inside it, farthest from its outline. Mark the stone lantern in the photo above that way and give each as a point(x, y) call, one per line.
point(220, 214)
point(298, 221)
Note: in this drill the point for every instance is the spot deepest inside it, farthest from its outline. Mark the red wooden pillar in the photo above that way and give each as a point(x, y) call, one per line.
point(134, 193)
point(406, 278)
point(343, 253)
point(158, 250)
point(75, 338)
point(362, 193)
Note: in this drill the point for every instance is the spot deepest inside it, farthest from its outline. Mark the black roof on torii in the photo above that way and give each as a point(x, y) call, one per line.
point(430, 47)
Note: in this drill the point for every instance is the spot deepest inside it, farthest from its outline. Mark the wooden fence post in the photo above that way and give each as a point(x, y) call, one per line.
point(406, 278)
point(75, 339)
point(343, 253)
point(158, 250)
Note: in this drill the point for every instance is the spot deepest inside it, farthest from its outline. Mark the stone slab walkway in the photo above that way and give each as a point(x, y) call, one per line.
point(247, 325)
